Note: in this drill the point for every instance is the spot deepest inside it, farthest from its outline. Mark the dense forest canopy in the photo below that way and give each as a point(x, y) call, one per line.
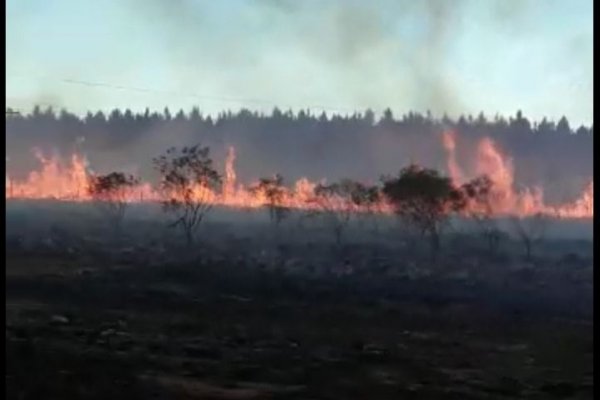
point(316, 145)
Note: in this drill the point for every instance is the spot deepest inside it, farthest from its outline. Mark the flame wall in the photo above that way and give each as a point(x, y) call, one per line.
point(68, 181)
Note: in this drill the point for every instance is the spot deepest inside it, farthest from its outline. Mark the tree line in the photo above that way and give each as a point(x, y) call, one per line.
point(298, 144)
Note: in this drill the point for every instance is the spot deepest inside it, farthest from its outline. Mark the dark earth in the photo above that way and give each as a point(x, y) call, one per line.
point(87, 319)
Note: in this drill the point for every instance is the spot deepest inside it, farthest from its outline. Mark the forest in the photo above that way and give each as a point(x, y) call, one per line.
point(553, 155)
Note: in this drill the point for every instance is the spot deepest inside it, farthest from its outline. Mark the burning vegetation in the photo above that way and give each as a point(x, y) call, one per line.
point(71, 182)
point(376, 276)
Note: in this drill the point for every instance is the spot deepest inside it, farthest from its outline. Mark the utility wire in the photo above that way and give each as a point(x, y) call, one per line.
point(204, 97)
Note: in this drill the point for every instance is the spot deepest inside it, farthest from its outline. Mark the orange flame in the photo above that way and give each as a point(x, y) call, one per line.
point(449, 141)
point(56, 180)
point(505, 199)
point(230, 175)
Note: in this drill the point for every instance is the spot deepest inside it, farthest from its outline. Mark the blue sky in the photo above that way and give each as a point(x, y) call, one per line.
point(459, 56)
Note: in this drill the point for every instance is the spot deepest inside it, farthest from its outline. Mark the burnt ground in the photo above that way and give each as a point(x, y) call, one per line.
point(88, 320)
point(210, 330)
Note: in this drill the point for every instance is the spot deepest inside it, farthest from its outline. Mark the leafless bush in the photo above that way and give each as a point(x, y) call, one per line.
point(273, 191)
point(111, 193)
point(189, 183)
point(480, 197)
point(333, 203)
point(530, 231)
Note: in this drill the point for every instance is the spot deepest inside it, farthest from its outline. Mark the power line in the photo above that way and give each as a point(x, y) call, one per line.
point(203, 97)
point(155, 91)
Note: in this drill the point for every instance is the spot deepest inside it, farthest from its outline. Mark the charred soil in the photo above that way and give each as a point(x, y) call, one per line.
point(210, 329)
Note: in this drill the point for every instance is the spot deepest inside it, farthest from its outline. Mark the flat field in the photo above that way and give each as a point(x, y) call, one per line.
point(241, 318)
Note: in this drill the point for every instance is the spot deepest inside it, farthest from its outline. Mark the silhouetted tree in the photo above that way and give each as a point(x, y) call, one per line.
point(425, 199)
point(274, 192)
point(545, 127)
point(563, 128)
point(167, 114)
point(369, 117)
point(481, 121)
point(334, 203)
point(480, 198)
point(530, 230)
point(367, 199)
point(188, 183)
point(111, 193)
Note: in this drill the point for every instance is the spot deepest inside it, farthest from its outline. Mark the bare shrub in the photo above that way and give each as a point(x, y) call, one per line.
point(111, 193)
point(188, 185)
point(530, 231)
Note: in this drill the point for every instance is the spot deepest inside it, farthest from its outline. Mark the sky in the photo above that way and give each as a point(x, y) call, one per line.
point(455, 57)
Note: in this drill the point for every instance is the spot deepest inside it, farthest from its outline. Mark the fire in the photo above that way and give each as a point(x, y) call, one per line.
point(449, 141)
point(69, 181)
point(500, 170)
point(230, 175)
point(505, 199)
point(582, 207)
point(55, 180)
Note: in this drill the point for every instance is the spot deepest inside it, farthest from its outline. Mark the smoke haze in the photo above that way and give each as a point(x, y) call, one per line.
point(447, 57)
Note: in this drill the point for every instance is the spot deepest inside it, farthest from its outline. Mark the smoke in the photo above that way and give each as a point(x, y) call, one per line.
point(370, 53)
point(348, 54)
point(434, 79)
point(343, 54)
point(359, 42)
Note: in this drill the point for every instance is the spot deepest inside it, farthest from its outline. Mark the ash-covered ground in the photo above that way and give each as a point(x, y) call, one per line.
point(252, 311)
